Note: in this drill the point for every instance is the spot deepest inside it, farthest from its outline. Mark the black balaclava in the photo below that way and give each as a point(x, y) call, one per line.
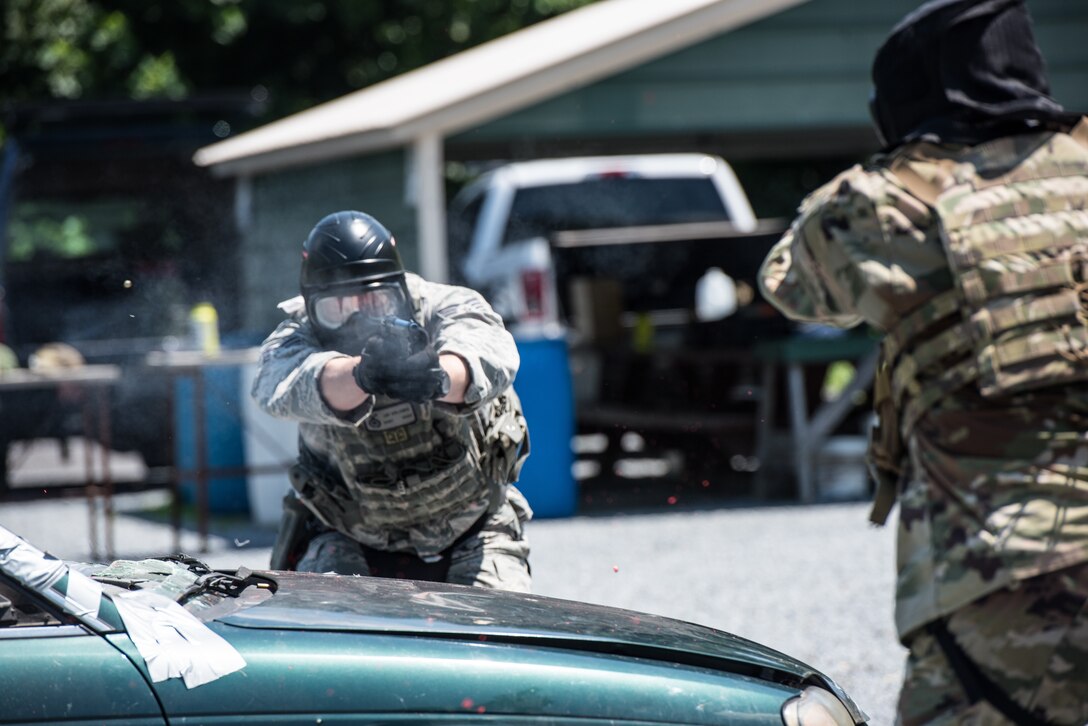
point(962, 71)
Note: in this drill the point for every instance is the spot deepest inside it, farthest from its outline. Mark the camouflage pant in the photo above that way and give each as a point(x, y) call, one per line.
point(497, 557)
point(1030, 641)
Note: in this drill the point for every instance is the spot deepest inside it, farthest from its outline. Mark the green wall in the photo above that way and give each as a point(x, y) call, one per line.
point(286, 205)
point(784, 99)
point(805, 67)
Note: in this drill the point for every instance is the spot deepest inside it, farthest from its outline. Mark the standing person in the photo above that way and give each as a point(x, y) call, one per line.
point(410, 434)
point(966, 243)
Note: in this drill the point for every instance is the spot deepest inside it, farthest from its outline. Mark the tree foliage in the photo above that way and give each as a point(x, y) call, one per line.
point(288, 53)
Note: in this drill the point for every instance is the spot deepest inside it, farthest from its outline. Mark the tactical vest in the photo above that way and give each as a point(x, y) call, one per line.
point(1017, 246)
point(422, 469)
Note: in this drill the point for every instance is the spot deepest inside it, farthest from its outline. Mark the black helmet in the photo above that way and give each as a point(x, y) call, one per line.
point(962, 71)
point(351, 271)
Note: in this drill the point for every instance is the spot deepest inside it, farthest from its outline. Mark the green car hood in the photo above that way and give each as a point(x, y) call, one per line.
point(338, 603)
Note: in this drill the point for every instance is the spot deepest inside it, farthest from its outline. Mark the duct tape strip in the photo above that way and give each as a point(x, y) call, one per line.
point(173, 643)
point(83, 596)
point(27, 564)
point(42, 572)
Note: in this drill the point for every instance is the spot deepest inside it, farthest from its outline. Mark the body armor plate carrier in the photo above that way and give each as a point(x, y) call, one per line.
point(469, 459)
point(1017, 319)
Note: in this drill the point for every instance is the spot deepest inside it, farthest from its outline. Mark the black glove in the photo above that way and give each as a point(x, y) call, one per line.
point(401, 363)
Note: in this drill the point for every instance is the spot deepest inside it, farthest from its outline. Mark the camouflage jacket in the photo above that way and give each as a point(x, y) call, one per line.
point(991, 489)
point(401, 476)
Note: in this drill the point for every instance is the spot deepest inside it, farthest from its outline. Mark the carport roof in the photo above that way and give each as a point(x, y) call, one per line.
point(487, 81)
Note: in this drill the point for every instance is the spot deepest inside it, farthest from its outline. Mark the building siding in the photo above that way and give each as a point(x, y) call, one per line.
point(804, 68)
point(285, 206)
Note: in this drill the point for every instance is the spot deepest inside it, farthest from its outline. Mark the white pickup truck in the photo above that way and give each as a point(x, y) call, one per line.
point(503, 225)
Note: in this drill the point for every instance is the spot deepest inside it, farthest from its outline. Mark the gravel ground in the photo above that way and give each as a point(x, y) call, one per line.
point(815, 581)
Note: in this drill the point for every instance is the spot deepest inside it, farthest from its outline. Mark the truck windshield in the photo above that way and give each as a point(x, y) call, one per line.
point(598, 203)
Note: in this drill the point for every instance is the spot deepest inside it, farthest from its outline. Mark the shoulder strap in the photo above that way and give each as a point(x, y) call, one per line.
point(1080, 132)
point(925, 189)
point(928, 187)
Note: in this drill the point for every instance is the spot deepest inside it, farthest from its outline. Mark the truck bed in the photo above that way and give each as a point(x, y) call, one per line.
point(658, 266)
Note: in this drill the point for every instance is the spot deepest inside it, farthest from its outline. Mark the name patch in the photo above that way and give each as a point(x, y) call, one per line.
point(391, 417)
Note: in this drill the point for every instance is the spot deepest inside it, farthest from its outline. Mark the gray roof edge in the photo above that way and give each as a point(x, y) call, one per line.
point(587, 68)
point(259, 150)
point(303, 154)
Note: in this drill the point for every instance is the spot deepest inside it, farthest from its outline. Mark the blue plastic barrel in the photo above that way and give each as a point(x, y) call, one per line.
point(223, 437)
point(547, 396)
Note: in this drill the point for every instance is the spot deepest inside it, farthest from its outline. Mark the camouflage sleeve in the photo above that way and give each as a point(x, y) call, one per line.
point(286, 384)
point(461, 322)
point(796, 288)
point(820, 271)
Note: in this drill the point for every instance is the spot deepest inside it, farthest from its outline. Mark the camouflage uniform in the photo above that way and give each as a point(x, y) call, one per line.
point(992, 484)
point(1031, 640)
point(408, 477)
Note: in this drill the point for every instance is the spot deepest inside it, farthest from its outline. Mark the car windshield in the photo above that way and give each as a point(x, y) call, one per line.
point(612, 201)
point(204, 592)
